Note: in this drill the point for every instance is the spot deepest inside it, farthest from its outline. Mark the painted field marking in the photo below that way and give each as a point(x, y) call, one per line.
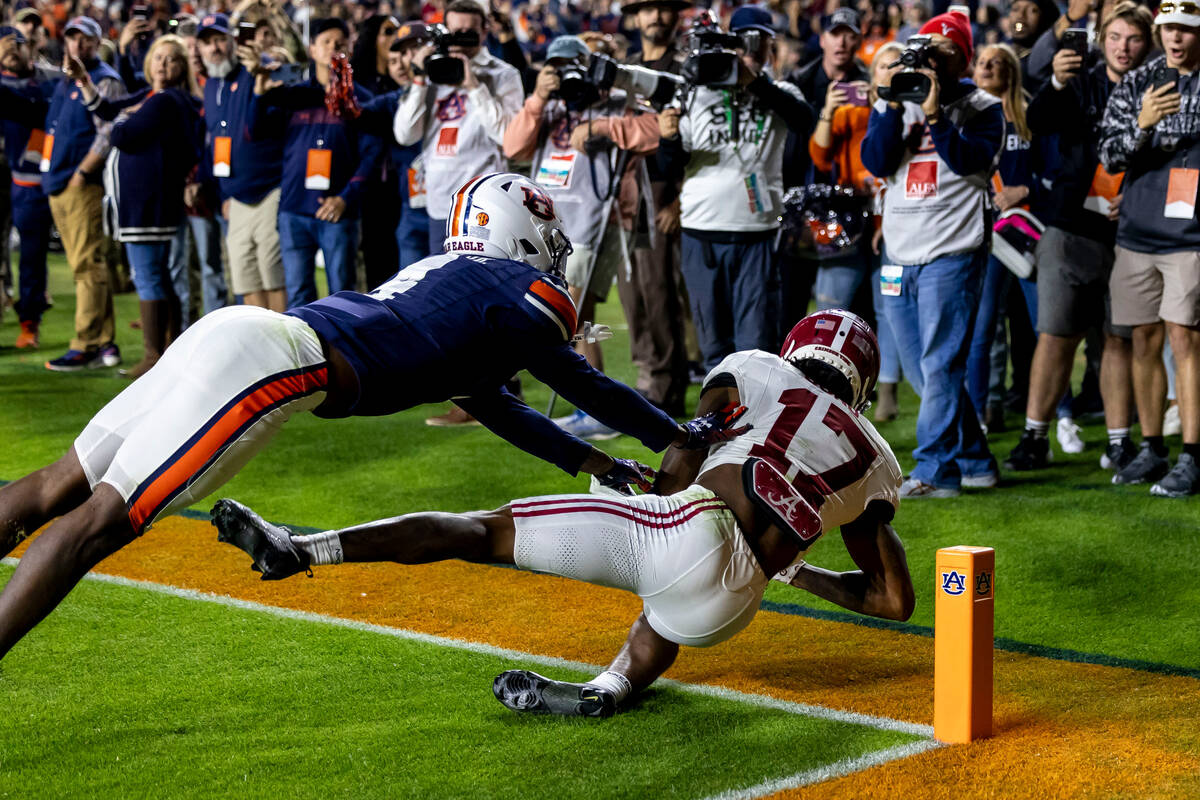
point(817, 775)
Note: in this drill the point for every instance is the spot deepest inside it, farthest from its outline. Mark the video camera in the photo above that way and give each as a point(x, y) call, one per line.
point(712, 58)
point(441, 67)
point(660, 89)
point(910, 85)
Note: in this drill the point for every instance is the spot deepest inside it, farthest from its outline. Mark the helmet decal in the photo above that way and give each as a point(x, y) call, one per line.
point(538, 203)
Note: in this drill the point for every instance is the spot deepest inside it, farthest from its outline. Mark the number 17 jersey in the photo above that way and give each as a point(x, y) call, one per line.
point(829, 452)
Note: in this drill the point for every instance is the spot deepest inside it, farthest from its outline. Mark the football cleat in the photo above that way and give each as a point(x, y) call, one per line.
point(530, 693)
point(269, 545)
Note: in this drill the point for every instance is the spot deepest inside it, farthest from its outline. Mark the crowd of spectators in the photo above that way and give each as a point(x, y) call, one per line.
point(1018, 179)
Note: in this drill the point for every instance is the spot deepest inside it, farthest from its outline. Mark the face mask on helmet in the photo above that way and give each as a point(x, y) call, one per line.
point(843, 341)
point(505, 215)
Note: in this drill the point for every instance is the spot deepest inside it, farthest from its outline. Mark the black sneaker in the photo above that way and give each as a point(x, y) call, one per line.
point(1182, 480)
point(1145, 467)
point(1118, 456)
point(269, 545)
point(530, 693)
point(1032, 452)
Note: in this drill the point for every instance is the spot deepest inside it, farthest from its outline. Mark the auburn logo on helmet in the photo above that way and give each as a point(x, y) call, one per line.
point(538, 203)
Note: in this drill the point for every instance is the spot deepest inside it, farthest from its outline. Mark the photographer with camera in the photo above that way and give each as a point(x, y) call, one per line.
point(728, 145)
point(1151, 129)
point(935, 139)
point(461, 101)
point(1075, 254)
point(326, 163)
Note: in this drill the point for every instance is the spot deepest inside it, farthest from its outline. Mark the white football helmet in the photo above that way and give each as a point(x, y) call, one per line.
point(505, 215)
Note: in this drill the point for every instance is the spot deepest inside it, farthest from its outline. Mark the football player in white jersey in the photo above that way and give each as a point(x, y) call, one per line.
point(701, 551)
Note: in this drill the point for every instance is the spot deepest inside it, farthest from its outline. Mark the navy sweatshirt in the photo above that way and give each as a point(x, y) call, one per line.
point(25, 101)
point(256, 165)
point(156, 148)
point(298, 114)
point(70, 123)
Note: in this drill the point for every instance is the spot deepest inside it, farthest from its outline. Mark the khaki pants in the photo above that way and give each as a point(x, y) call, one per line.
point(77, 215)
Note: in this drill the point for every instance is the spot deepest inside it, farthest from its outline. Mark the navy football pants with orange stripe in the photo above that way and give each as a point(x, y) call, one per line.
point(214, 400)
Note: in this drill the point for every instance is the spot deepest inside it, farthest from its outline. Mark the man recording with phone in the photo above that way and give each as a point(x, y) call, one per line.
point(728, 144)
point(461, 122)
point(1151, 129)
point(935, 139)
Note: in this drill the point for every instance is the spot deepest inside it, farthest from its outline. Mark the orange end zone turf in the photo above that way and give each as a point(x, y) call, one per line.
point(964, 622)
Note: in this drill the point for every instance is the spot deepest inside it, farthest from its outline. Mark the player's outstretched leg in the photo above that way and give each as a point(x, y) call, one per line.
point(29, 503)
point(530, 693)
point(269, 545)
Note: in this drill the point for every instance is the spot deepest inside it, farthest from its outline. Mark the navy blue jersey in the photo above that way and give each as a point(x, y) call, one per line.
point(459, 326)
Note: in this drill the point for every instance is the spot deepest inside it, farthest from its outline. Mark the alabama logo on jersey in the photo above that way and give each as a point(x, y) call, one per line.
point(451, 107)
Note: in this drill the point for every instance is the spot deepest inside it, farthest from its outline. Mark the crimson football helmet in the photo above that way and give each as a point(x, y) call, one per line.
point(505, 215)
point(843, 341)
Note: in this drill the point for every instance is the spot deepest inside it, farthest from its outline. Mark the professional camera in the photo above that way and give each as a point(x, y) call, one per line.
point(660, 89)
point(575, 88)
point(712, 58)
point(911, 86)
point(440, 66)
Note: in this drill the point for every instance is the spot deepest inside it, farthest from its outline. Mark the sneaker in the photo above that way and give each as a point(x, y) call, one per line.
point(269, 545)
point(27, 339)
point(1145, 467)
point(1182, 480)
point(530, 693)
point(1118, 455)
point(916, 489)
point(1068, 435)
point(993, 418)
point(75, 361)
point(984, 480)
point(588, 427)
point(1031, 452)
point(452, 418)
point(1171, 424)
point(110, 355)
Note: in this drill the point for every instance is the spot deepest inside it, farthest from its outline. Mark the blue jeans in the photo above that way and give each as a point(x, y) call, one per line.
point(933, 318)
point(150, 264)
point(31, 218)
point(889, 351)
point(735, 295)
point(838, 281)
point(437, 235)
point(300, 237)
point(412, 236)
point(206, 233)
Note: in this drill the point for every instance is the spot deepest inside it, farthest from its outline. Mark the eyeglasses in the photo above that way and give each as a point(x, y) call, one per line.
point(1181, 6)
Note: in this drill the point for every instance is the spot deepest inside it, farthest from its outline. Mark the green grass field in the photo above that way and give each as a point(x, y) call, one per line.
point(1104, 572)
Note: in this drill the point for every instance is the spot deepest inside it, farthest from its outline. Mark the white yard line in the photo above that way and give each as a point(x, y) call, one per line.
point(824, 773)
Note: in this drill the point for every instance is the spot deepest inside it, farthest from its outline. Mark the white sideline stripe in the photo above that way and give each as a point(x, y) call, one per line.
point(827, 772)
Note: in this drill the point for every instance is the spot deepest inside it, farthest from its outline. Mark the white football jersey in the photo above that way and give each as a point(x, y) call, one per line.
point(813, 438)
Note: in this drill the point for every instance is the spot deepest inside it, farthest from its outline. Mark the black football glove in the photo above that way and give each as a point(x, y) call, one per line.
point(714, 428)
point(624, 472)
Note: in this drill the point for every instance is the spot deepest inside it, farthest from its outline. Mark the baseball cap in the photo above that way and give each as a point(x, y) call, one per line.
point(751, 18)
point(569, 47)
point(26, 14)
point(217, 23)
point(85, 25)
point(328, 24)
point(1184, 13)
point(410, 33)
point(954, 27)
point(845, 18)
point(638, 5)
point(9, 30)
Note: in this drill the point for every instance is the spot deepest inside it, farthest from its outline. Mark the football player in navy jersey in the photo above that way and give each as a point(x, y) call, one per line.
point(701, 550)
point(452, 326)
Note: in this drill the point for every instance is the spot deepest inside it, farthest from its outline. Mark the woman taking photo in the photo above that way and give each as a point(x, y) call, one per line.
point(157, 140)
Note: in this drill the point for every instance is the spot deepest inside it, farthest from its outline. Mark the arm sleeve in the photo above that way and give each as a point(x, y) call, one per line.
point(510, 419)
point(973, 147)
point(1039, 66)
point(672, 159)
point(498, 110)
point(1120, 136)
point(370, 149)
point(613, 403)
point(883, 146)
point(109, 108)
point(144, 127)
point(24, 109)
point(787, 105)
point(108, 89)
point(520, 137)
point(409, 123)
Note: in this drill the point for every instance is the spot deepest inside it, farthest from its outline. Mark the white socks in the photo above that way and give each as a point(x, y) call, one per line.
point(1039, 429)
point(614, 683)
point(1116, 435)
point(322, 548)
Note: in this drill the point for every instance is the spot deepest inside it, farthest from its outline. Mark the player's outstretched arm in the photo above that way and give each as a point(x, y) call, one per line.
point(680, 464)
point(881, 587)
